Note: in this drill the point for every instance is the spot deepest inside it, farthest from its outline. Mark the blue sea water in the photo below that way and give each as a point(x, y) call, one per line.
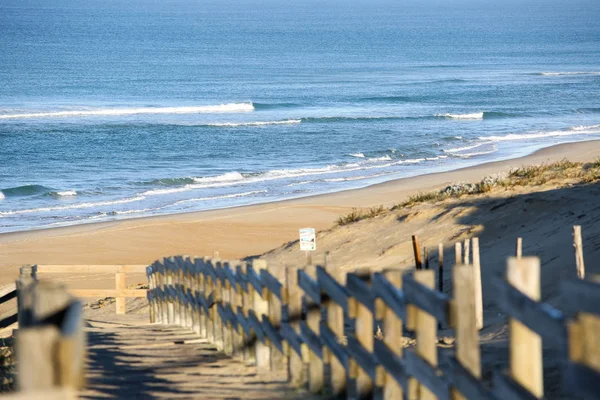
point(119, 109)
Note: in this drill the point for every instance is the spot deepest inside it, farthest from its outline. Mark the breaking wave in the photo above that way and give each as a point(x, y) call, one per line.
point(208, 109)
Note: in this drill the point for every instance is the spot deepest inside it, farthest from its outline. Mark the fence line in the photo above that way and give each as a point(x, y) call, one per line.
point(120, 293)
point(320, 326)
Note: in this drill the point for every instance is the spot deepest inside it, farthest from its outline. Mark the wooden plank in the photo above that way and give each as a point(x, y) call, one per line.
point(332, 288)
point(578, 246)
point(8, 318)
point(309, 286)
point(426, 329)
point(394, 368)
point(361, 291)
point(441, 267)
point(458, 253)
point(98, 293)
point(426, 298)
point(312, 301)
point(580, 296)
point(392, 311)
point(273, 334)
point(120, 285)
point(311, 339)
point(467, 248)
point(270, 282)
point(297, 368)
point(91, 268)
point(541, 318)
point(417, 252)
point(253, 277)
point(467, 337)
point(477, 289)
point(525, 344)
point(7, 293)
point(256, 325)
point(275, 275)
point(332, 329)
point(261, 307)
point(331, 340)
point(431, 383)
point(519, 249)
point(505, 387)
point(463, 380)
point(365, 360)
point(292, 338)
point(35, 357)
point(393, 297)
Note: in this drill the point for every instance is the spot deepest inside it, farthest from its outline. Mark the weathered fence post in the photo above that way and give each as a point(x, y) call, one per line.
point(361, 310)
point(261, 307)
point(458, 253)
point(426, 331)
point(50, 345)
point(392, 337)
point(467, 247)
point(467, 337)
point(519, 249)
point(441, 267)
point(251, 339)
point(417, 252)
point(316, 381)
point(578, 245)
point(218, 299)
point(28, 276)
point(477, 289)
point(279, 360)
point(525, 345)
point(120, 285)
point(297, 367)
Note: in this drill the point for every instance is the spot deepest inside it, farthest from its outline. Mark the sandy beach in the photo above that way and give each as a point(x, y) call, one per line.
point(236, 232)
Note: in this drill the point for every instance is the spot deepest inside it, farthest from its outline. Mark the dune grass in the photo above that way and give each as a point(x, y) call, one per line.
point(527, 175)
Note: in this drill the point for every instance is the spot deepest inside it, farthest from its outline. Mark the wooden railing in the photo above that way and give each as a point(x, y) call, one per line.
point(50, 342)
point(321, 326)
point(8, 318)
point(120, 293)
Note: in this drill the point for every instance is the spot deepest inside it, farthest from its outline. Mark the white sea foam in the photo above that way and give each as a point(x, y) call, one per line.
point(569, 73)
point(464, 148)
point(358, 155)
point(73, 206)
point(67, 193)
point(226, 177)
point(472, 116)
point(258, 123)
point(2, 197)
point(227, 196)
point(576, 130)
point(221, 108)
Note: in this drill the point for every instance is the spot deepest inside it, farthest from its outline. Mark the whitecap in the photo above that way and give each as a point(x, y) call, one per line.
point(471, 116)
point(220, 108)
point(358, 155)
point(258, 123)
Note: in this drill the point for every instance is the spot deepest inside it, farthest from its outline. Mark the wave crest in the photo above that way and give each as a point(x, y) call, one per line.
point(209, 109)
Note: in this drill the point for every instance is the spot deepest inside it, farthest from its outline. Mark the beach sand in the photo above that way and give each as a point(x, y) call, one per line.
point(235, 232)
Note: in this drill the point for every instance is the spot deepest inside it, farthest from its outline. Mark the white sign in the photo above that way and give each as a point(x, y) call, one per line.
point(308, 239)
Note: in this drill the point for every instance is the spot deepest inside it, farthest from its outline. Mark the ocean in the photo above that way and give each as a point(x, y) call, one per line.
point(130, 108)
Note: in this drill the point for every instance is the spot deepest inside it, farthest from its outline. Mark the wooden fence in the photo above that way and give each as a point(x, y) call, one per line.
point(321, 326)
point(50, 342)
point(7, 318)
point(120, 292)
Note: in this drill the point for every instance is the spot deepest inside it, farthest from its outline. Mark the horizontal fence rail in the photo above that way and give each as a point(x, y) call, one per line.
point(320, 326)
point(120, 293)
point(8, 318)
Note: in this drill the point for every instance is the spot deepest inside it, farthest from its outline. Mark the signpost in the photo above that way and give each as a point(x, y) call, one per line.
point(308, 242)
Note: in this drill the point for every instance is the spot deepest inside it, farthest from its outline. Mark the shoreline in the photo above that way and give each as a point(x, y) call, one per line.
point(240, 231)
